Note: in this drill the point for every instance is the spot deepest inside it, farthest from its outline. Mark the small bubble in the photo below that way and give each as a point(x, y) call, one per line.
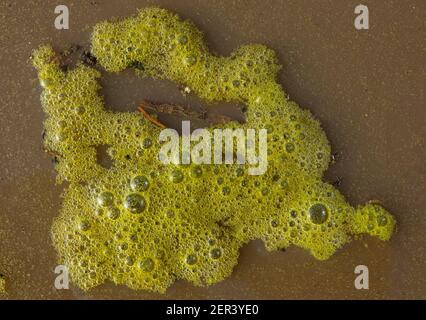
point(265, 191)
point(139, 183)
point(105, 199)
point(183, 39)
point(196, 172)
point(123, 246)
point(62, 124)
point(84, 226)
point(147, 143)
point(274, 223)
point(239, 172)
point(176, 176)
point(215, 253)
point(113, 213)
point(80, 110)
point(269, 128)
point(289, 147)
point(190, 60)
point(60, 136)
point(318, 213)
point(135, 203)
point(147, 265)
point(283, 184)
point(226, 191)
point(191, 259)
point(130, 261)
point(382, 220)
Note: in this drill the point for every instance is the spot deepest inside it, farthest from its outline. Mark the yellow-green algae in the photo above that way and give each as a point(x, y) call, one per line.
point(2, 284)
point(145, 224)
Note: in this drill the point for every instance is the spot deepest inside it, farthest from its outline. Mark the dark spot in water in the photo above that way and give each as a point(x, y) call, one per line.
point(87, 58)
point(337, 182)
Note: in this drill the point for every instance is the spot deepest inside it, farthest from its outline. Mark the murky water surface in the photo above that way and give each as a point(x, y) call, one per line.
point(366, 87)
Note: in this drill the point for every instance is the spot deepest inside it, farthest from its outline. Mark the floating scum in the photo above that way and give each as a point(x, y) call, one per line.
point(146, 224)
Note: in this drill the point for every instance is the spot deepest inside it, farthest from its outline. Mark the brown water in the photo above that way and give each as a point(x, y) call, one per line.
point(366, 88)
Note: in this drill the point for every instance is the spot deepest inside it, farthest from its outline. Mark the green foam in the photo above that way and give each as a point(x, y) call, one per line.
point(177, 224)
point(2, 284)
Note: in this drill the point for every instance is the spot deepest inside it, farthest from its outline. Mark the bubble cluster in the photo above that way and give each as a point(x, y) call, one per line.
point(145, 224)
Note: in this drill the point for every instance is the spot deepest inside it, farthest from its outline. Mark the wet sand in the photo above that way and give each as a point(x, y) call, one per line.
point(366, 88)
